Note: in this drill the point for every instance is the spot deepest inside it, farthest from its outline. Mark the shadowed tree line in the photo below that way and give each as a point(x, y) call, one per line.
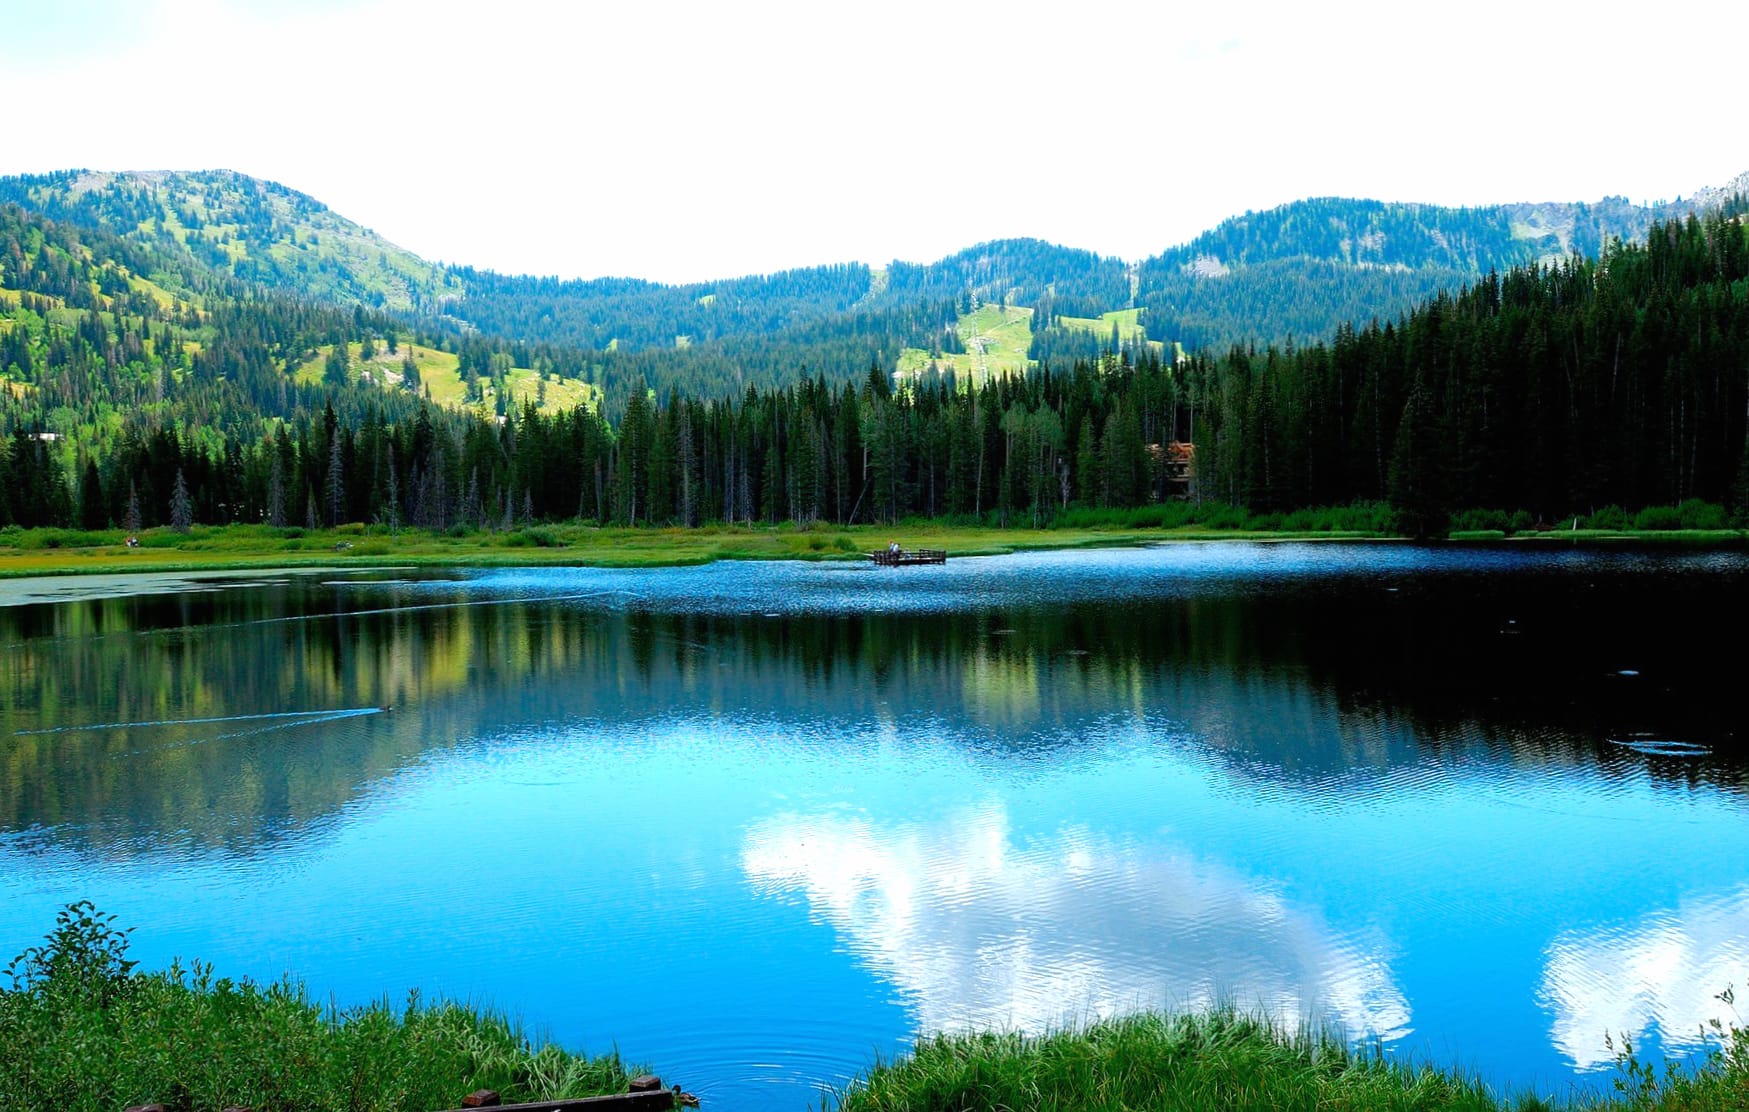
point(1556, 390)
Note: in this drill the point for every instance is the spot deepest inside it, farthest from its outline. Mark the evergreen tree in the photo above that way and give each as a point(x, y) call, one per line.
point(335, 485)
point(275, 488)
point(181, 506)
point(334, 366)
point(92, 507)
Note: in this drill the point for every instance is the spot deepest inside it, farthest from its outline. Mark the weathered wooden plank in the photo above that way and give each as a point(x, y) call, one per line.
point(909, 558)
point(658, 1100)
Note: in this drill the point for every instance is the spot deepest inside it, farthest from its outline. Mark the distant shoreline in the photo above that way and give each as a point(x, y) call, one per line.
point(249, 548)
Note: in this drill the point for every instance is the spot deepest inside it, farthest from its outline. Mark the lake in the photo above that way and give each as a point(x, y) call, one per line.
point(755, 823)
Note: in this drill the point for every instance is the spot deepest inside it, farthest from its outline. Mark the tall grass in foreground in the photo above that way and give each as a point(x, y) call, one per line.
point(1224, 1061)
point(82, 1031)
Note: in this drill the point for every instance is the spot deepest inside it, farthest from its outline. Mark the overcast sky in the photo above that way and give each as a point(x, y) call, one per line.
point(683, 141)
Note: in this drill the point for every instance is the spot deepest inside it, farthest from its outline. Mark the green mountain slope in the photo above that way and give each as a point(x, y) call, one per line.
point(1293, 272)
point(1300, 269)
point(257, 231)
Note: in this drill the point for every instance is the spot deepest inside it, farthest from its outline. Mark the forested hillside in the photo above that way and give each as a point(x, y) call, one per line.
point(1295, 272)
point(1303, 269)
point(1585, 387)
point(258, 231)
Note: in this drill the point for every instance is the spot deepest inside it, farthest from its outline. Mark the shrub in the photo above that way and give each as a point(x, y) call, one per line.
point(1609, 517)
point(1478, 521)
point(1658, 518)
point(1696, 514)
point(1420, 523)
point(83, 1031)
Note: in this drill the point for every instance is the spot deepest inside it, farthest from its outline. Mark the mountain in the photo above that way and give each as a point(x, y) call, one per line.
point(256, 231)
point(1298, 270)
point(1295, 272)
point(147, 377)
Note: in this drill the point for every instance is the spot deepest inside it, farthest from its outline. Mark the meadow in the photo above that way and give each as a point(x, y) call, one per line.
point(25, 552)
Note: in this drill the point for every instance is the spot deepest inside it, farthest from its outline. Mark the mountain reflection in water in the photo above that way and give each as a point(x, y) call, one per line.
point(752, 822)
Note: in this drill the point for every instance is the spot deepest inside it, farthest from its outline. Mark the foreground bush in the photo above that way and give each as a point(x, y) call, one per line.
point(1183, 1063)
point(1227, 1062)
point(82, 1030)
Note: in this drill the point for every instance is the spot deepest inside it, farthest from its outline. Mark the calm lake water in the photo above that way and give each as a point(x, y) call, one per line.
point(754, 823)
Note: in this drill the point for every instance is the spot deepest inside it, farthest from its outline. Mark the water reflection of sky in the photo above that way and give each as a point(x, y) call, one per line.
point(982, 930)
point(1665, 974)
point(754, 823)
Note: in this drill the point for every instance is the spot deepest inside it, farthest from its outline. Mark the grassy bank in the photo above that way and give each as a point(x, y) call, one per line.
point(26, 552)
point(1227, 1062)
point(61, 552)
point(84, 1031)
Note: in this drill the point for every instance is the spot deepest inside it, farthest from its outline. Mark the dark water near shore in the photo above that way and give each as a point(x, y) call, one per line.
point(755, 823)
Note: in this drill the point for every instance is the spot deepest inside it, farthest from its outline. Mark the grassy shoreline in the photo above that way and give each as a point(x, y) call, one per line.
point(1224, 1060)
point(41, 552)
point(86, 1032)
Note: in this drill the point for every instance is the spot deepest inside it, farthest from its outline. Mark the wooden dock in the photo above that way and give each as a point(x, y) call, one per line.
point(906, 558)
point(646, 1095)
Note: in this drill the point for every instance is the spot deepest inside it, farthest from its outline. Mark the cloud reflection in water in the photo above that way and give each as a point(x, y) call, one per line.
point(1662, 974)
point(980, 929)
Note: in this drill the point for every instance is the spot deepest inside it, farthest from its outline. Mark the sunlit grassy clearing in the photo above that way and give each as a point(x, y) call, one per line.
point(440, 378)
point(1128, 321)
point(1004, 333)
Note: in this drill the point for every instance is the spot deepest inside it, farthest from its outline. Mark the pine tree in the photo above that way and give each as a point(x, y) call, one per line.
point(275, 490)
point(392, 500)
point(91, 501)
point(335, 486)
point(1087, 466)
point(1418, 509)
point(181, 506)
point(334, 367)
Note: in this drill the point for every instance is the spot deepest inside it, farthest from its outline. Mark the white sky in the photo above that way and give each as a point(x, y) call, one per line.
point(684, 141)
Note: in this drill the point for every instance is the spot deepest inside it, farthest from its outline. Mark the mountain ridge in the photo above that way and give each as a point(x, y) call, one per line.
point(1295, 271)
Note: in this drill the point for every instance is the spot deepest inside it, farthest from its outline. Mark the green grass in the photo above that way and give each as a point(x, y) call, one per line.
point(440, 376)
point(62, 551)
point(84, 1031)
point(28, 552)
point(997, 339)
point(1223, 1061)
point(1218, 1061)
point(1128, 321)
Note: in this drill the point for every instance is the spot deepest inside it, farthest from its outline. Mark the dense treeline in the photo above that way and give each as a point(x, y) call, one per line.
point(1551, 390)
point(1020, 271)
point(631, 313)
point(1298, 270)
point(1556, 389)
